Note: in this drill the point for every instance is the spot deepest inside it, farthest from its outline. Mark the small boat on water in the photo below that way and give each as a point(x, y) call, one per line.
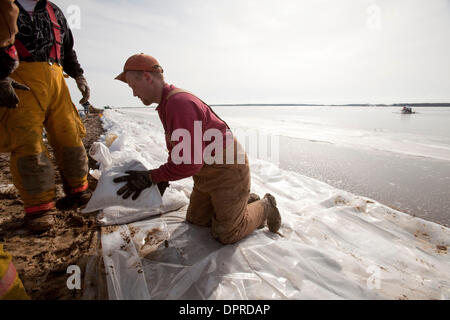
point(407, 110)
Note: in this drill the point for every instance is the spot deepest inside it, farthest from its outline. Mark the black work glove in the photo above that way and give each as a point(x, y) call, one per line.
point(136, 181)
point(8, 97)
point(162, 186)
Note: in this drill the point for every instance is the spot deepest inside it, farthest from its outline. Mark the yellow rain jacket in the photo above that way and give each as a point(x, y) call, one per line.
point(11, 287)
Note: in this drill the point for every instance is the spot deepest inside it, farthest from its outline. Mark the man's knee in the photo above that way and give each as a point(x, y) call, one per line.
point(227, 239)
point(36, 173)
point(199, 219)
point(224, 236)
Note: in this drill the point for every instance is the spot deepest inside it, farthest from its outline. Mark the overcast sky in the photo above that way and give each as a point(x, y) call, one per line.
point(266, 51)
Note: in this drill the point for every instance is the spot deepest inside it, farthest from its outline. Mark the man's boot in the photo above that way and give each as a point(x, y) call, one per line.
point(272, 215)
point(74, 200)
point(253, 197)
point(41, 221)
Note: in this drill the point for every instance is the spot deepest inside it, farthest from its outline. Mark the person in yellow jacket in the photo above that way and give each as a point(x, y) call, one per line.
point(44, 44)
point(8, 54)
point(11, 286)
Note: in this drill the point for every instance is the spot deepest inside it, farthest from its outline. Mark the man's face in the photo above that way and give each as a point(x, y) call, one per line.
point(142, 87)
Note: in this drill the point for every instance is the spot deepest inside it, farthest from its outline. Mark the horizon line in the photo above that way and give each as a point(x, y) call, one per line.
point(413, 104)
point(332, 104)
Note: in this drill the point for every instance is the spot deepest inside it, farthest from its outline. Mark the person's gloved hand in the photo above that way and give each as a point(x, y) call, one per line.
point(136, 181)
point(8, 97)
point(84, 89)
point(162, 186)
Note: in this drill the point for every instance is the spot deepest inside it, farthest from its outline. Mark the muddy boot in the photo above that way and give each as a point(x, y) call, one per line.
point(40, 221)
point(253, 197)
point(74, 200)
point(273, 216)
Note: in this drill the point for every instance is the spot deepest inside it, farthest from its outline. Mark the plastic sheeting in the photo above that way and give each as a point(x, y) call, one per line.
point(334, 245)
point(167, 258)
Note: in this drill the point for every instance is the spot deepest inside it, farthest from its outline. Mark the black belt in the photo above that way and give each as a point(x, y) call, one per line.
point(50, 61)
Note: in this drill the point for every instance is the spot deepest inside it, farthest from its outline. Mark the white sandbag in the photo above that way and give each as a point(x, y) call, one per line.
point(100, 153)
point(95, 173)
point(122, 143)
point(110, 138)
point(172, 200)
point(105, 194)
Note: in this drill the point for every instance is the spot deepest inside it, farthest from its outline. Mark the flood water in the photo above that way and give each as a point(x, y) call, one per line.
point(402, 161)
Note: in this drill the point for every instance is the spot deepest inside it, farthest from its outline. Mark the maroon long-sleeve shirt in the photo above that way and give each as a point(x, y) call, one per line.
point(183, 111)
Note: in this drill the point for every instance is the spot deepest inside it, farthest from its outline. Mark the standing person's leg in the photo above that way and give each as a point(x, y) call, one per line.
point(31, 167)
point(65, 131)
point(33, 174)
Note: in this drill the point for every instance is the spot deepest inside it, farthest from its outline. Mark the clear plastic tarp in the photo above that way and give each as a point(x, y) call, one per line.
point(167, 258)
point(333, 244)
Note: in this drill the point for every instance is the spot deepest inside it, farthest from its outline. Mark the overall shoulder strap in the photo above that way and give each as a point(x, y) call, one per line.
point(55, 51)
point(22, 51)
point(176, 91)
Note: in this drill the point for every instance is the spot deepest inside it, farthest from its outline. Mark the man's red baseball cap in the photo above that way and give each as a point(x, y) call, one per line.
point(140, 62)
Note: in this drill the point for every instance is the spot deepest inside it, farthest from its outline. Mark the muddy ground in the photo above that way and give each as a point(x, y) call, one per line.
point(42, 259)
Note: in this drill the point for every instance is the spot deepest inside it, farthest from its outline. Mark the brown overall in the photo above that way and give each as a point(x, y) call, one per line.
point(220, 194)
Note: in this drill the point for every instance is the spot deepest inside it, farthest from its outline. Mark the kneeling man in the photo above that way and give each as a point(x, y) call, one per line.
point(221, 197)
